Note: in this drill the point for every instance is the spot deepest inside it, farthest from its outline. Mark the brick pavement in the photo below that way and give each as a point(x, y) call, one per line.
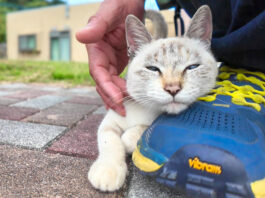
point(48, 141)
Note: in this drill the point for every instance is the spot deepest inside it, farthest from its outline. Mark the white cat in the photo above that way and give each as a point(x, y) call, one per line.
point(164, 75)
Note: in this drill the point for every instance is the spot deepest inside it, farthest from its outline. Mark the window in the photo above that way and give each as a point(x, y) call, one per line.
point(27, 43)
point(60, 46)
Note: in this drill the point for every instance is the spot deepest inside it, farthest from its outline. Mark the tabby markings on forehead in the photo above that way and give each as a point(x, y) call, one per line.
point(164, 49)
point(173, 54)
point(149, 57)
point(177, 61)
point(171, 47)
point(179, 46)
point(156, 56)
point(153, 60)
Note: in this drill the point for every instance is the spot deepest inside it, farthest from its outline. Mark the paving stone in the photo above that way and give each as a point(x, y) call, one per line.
point(4, 92)
point(52, 89)
point(25, 173)
point(41, 102)
point(147, 187)
point(88, 92)
point(14, 86)
point(64, 114)
point(8, 101)
point(15, 113)
point(63, 93)
point(28, 134)
point(85, 90)
point(100, 111)
point(85, 100)
point(27, 94)
point(93, 94)
point(81, 140)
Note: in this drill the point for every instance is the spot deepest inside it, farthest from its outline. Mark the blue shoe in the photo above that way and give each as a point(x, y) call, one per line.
point(216, 148)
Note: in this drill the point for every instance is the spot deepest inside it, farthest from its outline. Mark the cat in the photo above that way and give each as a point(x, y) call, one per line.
point(164, 75)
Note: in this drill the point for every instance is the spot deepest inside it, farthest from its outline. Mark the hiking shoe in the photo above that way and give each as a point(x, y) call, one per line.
point(216, 148)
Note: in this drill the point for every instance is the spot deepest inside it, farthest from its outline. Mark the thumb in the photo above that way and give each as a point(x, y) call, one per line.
point(107, 17)
point(94, 31)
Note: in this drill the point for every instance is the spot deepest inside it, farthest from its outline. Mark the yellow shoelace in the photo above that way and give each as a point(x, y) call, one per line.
point(239, 93)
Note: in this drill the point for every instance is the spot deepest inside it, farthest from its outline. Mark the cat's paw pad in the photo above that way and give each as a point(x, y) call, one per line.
point(107, 176)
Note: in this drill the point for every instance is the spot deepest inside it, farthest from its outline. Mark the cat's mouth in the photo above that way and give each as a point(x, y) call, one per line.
point(174, 107)
point(174, 103)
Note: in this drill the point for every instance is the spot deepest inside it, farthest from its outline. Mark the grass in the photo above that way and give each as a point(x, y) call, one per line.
point(65, 73)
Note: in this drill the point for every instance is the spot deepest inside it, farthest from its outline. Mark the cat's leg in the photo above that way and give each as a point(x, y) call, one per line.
point(108, 172)
point(131, 136)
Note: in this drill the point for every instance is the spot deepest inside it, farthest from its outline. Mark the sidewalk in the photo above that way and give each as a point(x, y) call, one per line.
point(48, 142)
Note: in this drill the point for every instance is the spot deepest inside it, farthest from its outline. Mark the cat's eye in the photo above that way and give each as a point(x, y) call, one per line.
point(153, 68)
point(192, 66)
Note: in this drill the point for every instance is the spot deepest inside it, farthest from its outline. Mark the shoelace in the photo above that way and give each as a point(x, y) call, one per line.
point(239, 94)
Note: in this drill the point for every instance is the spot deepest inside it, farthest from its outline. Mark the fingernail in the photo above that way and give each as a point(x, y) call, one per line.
point(122, 112)
point(83, 30)
point(91, 21)
point(88, 26)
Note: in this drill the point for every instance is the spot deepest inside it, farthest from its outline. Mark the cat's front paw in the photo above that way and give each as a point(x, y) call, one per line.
point(107, 176)
point(131, 137)
point(130, 142)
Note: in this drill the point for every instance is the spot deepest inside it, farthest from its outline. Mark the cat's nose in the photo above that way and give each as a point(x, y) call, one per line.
point(172, 89)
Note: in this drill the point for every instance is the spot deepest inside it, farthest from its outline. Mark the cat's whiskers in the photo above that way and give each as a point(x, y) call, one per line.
point(149, 106)
point(144, 103)
point(156, 95)
point(142, 97)
point(122, 99)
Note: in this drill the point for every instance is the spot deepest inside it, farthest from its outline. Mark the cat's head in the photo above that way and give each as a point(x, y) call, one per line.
point(170, 74)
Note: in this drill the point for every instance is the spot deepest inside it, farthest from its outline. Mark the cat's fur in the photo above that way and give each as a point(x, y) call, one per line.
point(170, 89)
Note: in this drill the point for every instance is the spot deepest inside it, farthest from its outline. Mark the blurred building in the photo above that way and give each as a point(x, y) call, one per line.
point(49, 33)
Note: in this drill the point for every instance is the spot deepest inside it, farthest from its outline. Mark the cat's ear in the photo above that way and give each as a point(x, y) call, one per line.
point(136, 34)
point(201, 25)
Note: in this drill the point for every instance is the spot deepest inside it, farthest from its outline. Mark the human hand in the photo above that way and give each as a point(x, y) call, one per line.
point(105, 41)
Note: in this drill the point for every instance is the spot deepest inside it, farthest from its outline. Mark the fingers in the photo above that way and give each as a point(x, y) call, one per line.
point(107, 17)
point(99, 69)
point(113, 94)
point(121, 83)
point(98, 50)
point(106, 61)
point(103, 71)
point(94, 31)
point(119, 108)
point(109, 85)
